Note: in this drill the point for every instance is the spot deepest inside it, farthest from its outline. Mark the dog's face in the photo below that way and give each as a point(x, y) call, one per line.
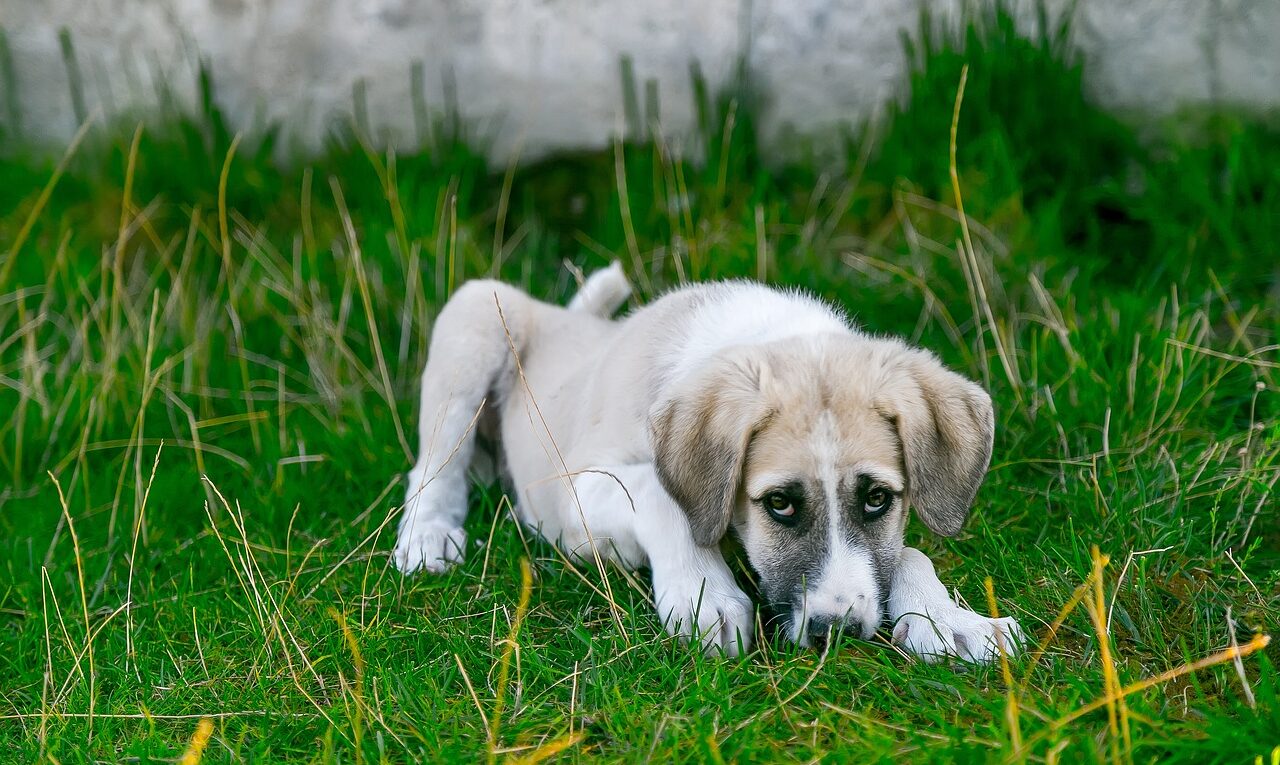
point(812, 451)
point(820, 513)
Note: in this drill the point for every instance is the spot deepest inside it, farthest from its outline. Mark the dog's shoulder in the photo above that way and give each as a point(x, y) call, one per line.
point(746, 312)
point(697, 321)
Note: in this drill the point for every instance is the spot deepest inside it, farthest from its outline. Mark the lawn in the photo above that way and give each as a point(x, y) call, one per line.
point(209, 360)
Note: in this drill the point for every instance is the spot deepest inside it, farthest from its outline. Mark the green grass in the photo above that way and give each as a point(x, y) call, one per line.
point(202, 450)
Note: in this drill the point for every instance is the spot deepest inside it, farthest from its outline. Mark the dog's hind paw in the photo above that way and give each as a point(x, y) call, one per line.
point(432, 547)
point(958, 632)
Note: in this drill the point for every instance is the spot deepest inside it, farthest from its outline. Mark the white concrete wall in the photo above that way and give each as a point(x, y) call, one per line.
point(540, 75)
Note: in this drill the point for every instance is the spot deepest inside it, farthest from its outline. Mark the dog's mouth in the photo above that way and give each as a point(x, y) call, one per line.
point(792, 624)
point(822, 631)
point(785, 614)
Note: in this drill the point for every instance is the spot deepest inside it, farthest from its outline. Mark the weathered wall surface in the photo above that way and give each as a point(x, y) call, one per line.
point(540, 75)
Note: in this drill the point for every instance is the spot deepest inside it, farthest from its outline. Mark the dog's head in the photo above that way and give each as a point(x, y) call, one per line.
point(812, 450)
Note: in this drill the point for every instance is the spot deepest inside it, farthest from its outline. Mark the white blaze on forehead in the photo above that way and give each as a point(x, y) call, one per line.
point(824, 445)
point(846, 590)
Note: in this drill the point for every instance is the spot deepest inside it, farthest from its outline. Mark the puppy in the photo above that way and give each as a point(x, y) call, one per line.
point(719, 407)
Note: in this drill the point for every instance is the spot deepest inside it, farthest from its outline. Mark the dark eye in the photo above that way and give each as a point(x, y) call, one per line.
point(780, 507)
point(878, 501)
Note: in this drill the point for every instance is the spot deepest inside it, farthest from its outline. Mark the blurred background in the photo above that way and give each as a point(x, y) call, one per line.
point(538, 77)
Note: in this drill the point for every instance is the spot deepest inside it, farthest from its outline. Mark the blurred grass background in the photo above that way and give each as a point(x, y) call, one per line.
point(210, 359)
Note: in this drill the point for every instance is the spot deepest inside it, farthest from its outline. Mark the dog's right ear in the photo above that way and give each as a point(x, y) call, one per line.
point(700, 431)
point(947, 426)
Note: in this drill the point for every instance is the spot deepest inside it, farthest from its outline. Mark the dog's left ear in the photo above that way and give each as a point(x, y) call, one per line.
point(700, 431)
point(946, 425)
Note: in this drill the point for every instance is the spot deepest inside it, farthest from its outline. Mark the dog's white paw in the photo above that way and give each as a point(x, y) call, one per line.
point(431, 536)
point(719, 615)
point(958, 632)
point(429, 545)
point(927, 638)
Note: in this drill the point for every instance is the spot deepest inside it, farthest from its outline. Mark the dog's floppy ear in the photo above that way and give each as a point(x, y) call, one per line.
point(700, 430)
point(946, 425)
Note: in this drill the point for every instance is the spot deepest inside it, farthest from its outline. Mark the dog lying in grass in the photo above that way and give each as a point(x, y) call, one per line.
point(644, 441)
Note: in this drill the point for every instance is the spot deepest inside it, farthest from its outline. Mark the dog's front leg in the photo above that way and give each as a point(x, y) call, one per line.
point(930, 625)
point(693, 589)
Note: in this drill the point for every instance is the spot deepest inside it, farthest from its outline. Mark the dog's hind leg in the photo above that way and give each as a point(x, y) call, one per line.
point(470, 365)
point(603, 293)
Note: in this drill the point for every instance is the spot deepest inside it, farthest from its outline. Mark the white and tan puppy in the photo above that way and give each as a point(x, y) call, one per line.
point(719, 407)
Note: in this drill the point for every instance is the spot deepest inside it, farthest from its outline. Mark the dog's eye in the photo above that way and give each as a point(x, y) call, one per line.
point(878, 501)
point(779, 506)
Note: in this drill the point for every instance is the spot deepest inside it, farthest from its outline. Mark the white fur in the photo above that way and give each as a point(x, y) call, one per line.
point(603, 293)
point(847, 588)
point(747, 314)
point(930, 625)
point(574, 427)
point(693, 588)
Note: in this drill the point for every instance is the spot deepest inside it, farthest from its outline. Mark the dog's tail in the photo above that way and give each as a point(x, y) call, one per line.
point(603, 293)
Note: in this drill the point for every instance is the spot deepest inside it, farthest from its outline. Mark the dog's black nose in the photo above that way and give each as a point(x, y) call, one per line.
point(822, 630)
